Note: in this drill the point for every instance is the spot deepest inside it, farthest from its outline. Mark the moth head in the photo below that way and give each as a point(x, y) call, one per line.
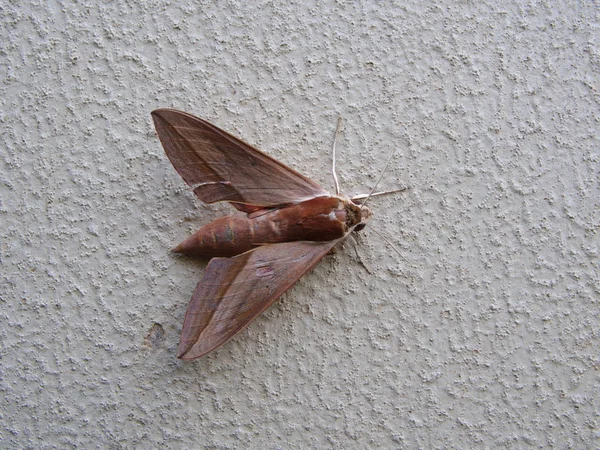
point(357, 215)
point(365, 215)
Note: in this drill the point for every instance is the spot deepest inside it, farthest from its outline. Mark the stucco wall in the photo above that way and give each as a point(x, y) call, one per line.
point(484, 334)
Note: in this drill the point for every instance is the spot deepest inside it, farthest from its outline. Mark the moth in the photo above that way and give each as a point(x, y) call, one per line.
point(284, 225)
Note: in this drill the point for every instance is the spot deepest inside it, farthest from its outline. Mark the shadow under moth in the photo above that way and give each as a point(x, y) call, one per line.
point(284, 225)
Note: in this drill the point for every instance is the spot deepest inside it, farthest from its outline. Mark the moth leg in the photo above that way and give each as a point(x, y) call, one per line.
point(358, 199)
point(380, 177)
point(360, 260)
point(337, 247)
point(383, 236)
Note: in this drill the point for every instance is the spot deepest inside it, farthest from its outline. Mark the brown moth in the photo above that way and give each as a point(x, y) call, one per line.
point(286, 223)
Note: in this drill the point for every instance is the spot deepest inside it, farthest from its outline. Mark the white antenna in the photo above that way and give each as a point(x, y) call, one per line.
point(335, 178)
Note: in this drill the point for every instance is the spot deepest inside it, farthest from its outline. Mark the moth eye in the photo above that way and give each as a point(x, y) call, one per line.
point(360, 226)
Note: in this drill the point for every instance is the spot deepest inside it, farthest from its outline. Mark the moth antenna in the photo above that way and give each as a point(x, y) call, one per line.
point(335, 135)
point(384, 237)
point(379, 180)
point(355, 245)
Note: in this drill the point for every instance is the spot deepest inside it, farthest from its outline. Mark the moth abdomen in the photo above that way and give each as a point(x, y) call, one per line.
point(225, 236)
point(318, 219)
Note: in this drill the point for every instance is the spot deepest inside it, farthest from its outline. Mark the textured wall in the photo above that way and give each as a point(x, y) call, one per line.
point(485, 333)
